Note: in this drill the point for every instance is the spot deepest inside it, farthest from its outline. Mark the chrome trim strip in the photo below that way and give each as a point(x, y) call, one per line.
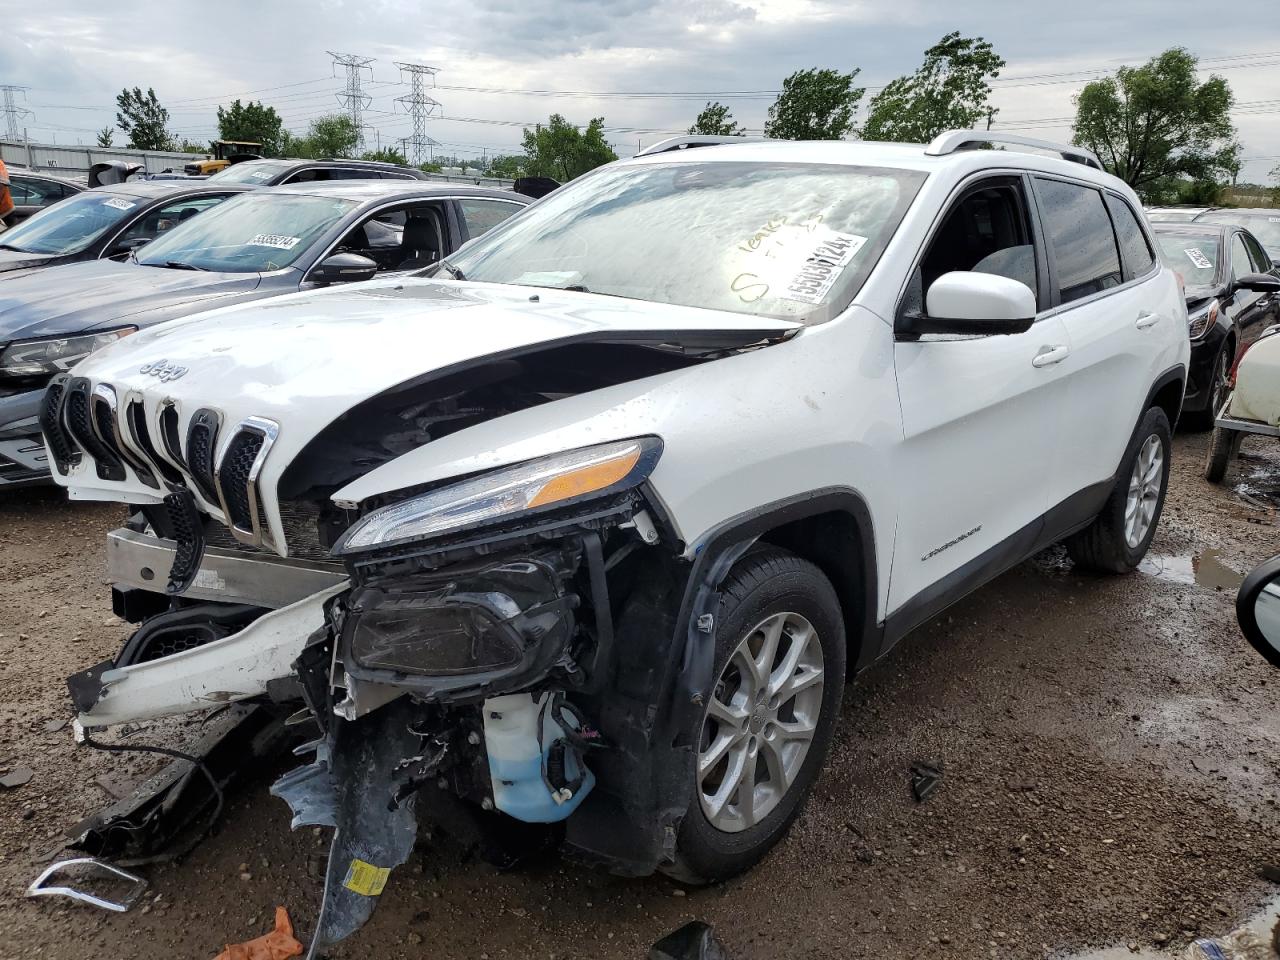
point(257, 535)
point(119, 441)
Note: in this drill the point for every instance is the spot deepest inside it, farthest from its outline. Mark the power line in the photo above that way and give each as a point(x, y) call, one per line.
point(420, 107)
point(353, 98)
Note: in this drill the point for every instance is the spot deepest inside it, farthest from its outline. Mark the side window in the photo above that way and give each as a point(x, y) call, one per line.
point(987, 231)
point(1240, 262)
point(163, 219)
point(307, 176)
point(39, 193)
point(1080, 235)
point(353, 173)
point(406, 238)
point(481, 216)
point(1137, 254)
point(1261, 262)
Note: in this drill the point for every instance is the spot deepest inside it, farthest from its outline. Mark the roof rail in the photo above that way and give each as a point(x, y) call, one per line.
point(953, 141)
point(689, 142)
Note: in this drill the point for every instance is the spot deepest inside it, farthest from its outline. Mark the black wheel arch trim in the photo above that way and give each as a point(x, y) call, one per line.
point(1178, 372)
point(689, 678)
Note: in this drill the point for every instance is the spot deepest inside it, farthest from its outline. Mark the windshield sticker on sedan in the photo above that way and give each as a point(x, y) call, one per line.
point(279, 241)
point(1198, 258)
point(260, 174)
point(115, 203)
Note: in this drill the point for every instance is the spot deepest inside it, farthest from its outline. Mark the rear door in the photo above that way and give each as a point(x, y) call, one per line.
point(981, 415)
point(1110, 293)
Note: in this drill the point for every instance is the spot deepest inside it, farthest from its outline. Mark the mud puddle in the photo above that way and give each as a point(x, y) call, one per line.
point(1261, 925)
point(1205, 569)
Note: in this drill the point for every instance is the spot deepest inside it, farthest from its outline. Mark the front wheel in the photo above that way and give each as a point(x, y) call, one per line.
point(1119, 536)
point(767, 727)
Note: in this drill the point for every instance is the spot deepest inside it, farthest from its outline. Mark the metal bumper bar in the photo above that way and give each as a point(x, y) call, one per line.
point(1247, 426)
point(143, 562)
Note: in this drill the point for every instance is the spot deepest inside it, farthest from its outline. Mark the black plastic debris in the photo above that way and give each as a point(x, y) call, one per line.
point(925, 778)
point(693, 941)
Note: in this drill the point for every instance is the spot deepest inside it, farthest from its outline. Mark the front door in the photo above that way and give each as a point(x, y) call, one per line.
point(980, 415)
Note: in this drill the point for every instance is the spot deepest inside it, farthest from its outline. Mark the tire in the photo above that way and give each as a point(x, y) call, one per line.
point(1218, 389)
point(767, 587)
point(1109, 544)
point(1222, 446)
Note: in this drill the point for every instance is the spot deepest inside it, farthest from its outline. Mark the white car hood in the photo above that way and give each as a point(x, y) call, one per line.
point(305, 359)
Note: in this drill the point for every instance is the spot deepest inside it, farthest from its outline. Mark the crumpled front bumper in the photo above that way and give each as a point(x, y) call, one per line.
point(236, 667)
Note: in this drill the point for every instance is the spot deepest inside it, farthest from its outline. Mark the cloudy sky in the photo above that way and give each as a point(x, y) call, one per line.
point(503, 63)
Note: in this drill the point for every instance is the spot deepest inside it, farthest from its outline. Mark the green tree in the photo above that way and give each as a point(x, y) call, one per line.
point(385, 155)
point(252, 122)
point(506, 166)
point(105, 136)
point(190, 146)
point(815, 105)
point(329, 136)
point(561, 150)
point(144, 121)
point(1156, 122)
point(950, 91)
point(715, 120)
point(430, 168)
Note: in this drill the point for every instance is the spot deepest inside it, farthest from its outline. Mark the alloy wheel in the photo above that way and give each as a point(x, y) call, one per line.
point(1144, 491)
point(760, 722)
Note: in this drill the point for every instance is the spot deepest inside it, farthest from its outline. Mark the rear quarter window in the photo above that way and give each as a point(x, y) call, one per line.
point(1134, 248)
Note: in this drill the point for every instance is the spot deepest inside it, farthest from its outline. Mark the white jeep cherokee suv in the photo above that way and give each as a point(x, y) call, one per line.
point(589, 528)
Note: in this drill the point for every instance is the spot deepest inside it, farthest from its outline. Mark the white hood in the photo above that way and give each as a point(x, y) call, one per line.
point(303, 360)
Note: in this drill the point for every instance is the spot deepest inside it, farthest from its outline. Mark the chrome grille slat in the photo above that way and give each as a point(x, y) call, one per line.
point(237, 474)
point(78, 418)
point(202, 441)
point(106, 423)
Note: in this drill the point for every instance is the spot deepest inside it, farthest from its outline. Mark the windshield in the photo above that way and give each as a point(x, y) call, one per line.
point(1194, 256)
point(70, 225)
point(788, 240)
point(1265, 228)
point(251, 233)
point(252, 171)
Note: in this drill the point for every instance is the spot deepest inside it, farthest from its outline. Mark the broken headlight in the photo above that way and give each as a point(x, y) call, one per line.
point(492, 623)
point(548, 482)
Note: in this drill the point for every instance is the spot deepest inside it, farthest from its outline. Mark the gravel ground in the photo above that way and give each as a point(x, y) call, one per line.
point(1109, 747)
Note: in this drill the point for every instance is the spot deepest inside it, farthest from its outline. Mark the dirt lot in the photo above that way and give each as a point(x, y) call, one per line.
point(1110, 752)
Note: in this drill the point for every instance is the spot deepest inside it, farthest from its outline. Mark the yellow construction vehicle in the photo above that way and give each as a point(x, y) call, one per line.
point(225, 153)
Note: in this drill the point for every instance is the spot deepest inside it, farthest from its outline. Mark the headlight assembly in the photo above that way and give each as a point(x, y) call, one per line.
point(48, 356)
point(1202, 320)
point(548, 482)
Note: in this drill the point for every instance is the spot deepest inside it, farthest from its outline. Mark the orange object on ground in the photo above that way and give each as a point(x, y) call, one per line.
point(276, 945)
point(6, 198)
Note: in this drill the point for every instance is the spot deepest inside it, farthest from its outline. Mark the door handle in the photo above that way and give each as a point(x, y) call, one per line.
point(1050, 355)
point(1147, 320)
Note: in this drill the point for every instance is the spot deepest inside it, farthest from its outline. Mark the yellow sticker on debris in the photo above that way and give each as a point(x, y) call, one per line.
point(365, 878)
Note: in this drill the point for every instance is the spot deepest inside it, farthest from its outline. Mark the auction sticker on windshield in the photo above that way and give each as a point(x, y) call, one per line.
point(798, 261)
point(1198, 258)
point(822, 267)
point(115, 203)
point(279, 241)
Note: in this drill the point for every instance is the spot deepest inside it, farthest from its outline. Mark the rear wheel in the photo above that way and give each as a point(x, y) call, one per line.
point(1119, 536)
point(767, 727)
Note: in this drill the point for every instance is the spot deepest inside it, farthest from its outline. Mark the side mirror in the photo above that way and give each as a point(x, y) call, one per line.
point(343, 268)
point(126, 247)
point(1258, 609)
point(1259, 283)
point(963, 302)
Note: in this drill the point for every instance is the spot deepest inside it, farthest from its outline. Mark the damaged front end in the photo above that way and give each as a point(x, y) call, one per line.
point(474, 658)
